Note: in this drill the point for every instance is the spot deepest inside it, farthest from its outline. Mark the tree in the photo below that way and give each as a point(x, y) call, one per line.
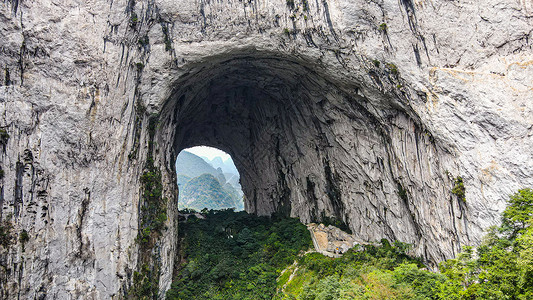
point(518, 212)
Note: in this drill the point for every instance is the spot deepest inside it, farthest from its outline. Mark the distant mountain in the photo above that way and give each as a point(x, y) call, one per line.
point(235, 194)
point(226, 166)
point(193, 166)
point(233, 180)
point(197, 190)
point(182, 180)
point(205, 191)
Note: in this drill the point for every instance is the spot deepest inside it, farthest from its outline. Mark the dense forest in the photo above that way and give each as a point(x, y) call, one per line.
point(233, 255)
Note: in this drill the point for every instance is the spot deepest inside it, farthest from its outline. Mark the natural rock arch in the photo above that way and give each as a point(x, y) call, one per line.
point(362, 110)
point(310, 147)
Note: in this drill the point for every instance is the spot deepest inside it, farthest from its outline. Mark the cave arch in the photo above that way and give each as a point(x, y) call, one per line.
point(311, 145)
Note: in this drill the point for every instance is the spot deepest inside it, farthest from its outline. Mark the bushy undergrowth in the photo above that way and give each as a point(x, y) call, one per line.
point(500, 268)
point(233, 255)
point(238, 256)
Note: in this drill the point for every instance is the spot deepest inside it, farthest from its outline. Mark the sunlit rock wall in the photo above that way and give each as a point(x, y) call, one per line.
point(366, 111)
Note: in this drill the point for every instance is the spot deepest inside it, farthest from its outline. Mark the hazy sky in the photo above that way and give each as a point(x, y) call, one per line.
point(208, 152)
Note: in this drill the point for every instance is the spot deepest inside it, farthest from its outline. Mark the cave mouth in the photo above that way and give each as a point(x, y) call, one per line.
point(312, 143)
point(208, 180)
point(280, 119)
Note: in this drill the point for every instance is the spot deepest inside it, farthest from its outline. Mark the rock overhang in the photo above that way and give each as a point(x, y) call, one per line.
point(456, 105)
point(309, 143)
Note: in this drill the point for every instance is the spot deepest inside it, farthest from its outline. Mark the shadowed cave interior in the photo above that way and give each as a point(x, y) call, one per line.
point(306, 146)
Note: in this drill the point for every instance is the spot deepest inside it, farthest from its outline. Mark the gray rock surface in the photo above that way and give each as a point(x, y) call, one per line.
point(362, 110)
point(330, 240)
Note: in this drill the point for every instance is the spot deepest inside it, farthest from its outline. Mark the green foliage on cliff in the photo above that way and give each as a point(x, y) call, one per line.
point(364, 272)
point(459, 189)
point(4, 136)
point(152, 219)
point(6, 236)
point(502, 267)
point(519, 213)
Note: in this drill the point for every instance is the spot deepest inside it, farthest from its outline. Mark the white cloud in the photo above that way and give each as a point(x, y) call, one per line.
point(208, 152)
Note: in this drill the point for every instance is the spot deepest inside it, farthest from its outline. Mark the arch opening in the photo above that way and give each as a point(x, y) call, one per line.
point(313, 145)
point(208, 179)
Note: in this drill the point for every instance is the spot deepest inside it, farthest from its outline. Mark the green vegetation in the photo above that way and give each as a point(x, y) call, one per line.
point(383, 27)
point(402, 193)
point(6, 238)
point(459, 189)
point(233, 255)
point(153, 208)
point(145, 283)
point(237, 256)
point(133, 19)
point(364, 272)
point(517, 217)
point(24, 237)
point(4, 136)
point(152, 222)
point(144, 41)
point(376, 63)
point(305, 5)
point(290, 3)
point(502, 267)
point(166, 36)
point(392, 68)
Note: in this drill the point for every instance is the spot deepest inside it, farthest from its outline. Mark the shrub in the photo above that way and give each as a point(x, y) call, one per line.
point(133, 19)
point(459, 189)
point(392, 68)
point(6, 238)
point(305, 4)
point(4, 136)
point(144, 41)
point(290, 3)
point(519, 212)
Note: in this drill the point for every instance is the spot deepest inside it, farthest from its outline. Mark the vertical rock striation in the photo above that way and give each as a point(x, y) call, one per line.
point(362, 111)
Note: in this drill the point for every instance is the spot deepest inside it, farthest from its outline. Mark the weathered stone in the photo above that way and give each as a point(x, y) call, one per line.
point(331, 241)
point(325, 111)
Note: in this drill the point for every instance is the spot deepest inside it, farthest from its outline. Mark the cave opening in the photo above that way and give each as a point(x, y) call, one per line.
point(207, 180)
point(313, 143)
point(279, 119)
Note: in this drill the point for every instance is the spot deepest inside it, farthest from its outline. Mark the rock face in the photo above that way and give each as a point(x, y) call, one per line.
point(330, 240)
point(366, 111)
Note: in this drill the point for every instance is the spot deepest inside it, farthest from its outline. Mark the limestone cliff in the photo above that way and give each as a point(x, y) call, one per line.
point(367, 111)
